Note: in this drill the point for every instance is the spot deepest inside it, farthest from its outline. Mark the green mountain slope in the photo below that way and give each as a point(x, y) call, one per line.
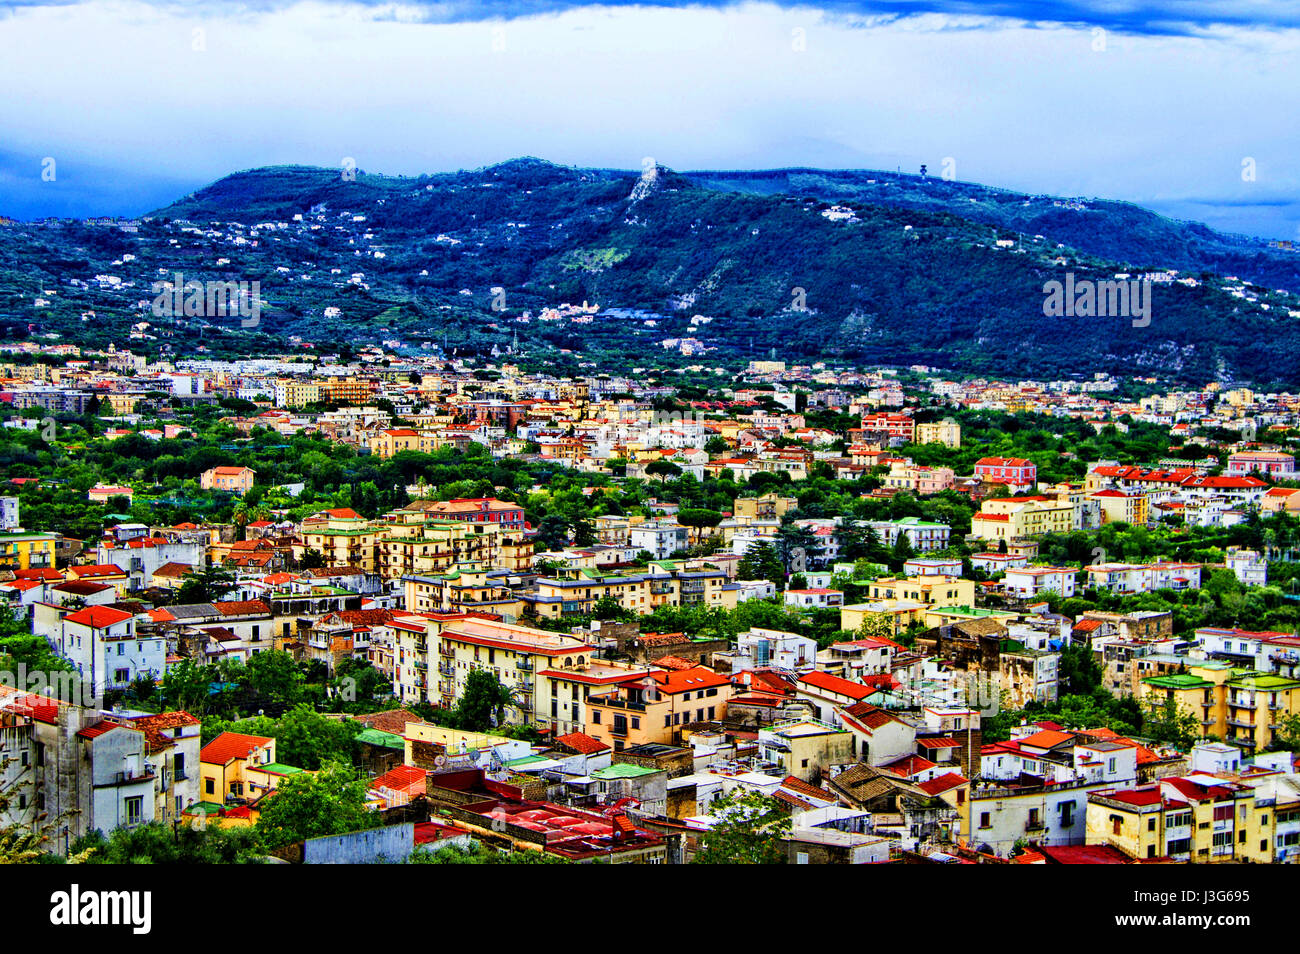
point(891, 274)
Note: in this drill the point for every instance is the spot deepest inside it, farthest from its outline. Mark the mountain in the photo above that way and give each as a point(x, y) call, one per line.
point(870, 268)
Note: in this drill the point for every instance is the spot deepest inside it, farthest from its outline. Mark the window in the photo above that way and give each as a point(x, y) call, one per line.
point(209, 787)
point(595, 716)
point(134, 807)
point(984, 820)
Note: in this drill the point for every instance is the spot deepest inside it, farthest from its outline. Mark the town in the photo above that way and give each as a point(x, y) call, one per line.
point(406, 605)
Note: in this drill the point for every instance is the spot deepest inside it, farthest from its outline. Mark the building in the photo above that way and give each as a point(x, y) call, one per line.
point(1199, 818)
point(946, 432)
point(236, 480)
point(657, 707)
point(103, 644)
point(1270, 465)
point(806, 749)
point(1005, 519)
point(1016, 473)
point(239, 769)
point(923, 535)
point(1249, 566)
point(660, 538)
point(1028, 582)
point(20, 550)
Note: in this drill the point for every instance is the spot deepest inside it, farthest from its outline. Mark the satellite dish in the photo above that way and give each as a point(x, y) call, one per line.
point(473, 754)
point(440, 760)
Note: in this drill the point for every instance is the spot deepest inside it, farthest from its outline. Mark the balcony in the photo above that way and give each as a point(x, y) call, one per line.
point(446, 669)
point(127, 777)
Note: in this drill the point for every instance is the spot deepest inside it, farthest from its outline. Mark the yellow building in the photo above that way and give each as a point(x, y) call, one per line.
point(1006, 518)
point(1198, 691)
point(1198, 819)
point(767, 507)
point(934, 591)
point(1120, 507)
point(239, 768)
point(342, 536)
point(20, 550)
point(414, 544)
point(290, 392)
point(656, 708)
point(946, 432)
point(576, 591)
point(462, 589)
point(1256, 704)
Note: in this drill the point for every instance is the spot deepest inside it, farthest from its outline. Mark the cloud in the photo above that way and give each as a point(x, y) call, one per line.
point(1136, 17)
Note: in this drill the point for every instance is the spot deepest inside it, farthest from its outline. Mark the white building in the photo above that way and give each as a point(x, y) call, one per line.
point(102, 643)
point(1028, 581)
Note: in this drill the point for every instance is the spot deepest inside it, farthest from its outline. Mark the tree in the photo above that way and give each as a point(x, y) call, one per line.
point(185, 685)
point(876, 626)
point(309, 740)
point(748, 830)
point(1165, 722)
point(761, 562)
point(698, 519)
point(483, 703)
point(663, 469)
point(274, 673)
point(1286, 735)
point(481, 854)
point(208, 585)
point(329, 802)
point(160, 844)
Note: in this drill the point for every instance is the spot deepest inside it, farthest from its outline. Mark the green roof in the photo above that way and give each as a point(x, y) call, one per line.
point(624, 770)
point(376, 737)
point(1265, 681)
point(1178, 681)
point(278, 768)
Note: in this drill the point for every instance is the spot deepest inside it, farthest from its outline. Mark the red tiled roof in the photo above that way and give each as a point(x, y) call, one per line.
point(837, 685)
point(229, 746)
point(403, 778)
point(944, 783)
point(242, 607)
point(98, 617)
point(581, 743)
point(689, 680)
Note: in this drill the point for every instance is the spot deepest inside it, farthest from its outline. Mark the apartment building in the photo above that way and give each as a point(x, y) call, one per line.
point(923, 535)
point(103, 644)
point(1028, 582)
point(654, 708)
point(1009, 518)
point(1198, 818)
point(575, 592)
point(1016, 473)
point(1143, 578)
point(436, 652)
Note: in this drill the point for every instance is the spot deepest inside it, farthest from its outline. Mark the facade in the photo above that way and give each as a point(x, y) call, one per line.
point(236, 480)
point(103, 644)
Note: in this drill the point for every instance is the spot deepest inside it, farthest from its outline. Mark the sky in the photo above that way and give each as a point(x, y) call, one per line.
point(1185, 106)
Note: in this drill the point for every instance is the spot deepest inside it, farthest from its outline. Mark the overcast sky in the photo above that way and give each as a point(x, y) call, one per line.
point(1187, 106)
